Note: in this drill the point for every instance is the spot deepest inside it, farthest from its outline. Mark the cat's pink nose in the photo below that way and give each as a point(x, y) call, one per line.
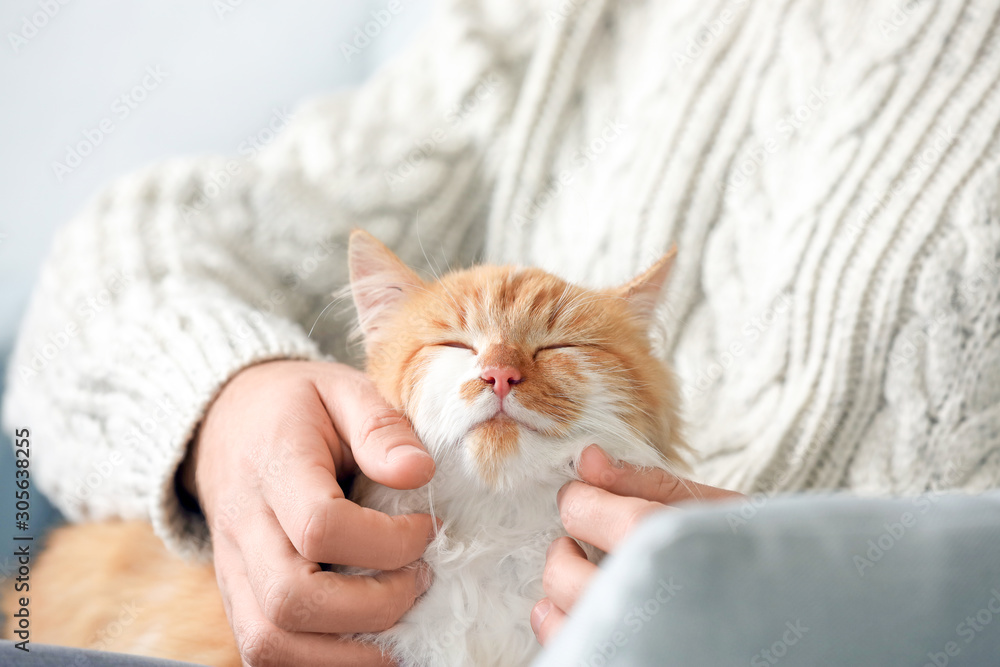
point(501, 377)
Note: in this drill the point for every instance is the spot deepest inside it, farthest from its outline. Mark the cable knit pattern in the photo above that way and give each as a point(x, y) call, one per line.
point(830, 174)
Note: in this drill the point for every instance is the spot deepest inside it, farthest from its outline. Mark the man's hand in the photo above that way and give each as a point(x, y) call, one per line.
point(265, 467)
point(602, 510)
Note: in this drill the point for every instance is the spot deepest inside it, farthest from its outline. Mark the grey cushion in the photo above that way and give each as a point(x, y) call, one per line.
point(798, 581)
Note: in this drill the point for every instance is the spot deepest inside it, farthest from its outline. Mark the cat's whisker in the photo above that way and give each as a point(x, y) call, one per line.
point(427, 259)
point(337, 298)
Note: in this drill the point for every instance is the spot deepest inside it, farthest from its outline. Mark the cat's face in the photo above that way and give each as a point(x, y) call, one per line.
point(508, 373)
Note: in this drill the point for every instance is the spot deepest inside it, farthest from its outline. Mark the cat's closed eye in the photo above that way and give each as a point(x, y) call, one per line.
point(457, 344)
point(560, 346)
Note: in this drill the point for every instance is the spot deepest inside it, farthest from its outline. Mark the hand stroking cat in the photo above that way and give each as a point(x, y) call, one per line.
point(507, 375)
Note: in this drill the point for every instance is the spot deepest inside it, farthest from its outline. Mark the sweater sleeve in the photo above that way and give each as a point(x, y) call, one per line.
point(176, 278)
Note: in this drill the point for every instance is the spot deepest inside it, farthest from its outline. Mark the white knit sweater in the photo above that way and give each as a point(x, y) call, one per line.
point(829, 171)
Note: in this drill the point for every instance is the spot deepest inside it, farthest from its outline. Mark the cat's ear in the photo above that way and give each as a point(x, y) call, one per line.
point(380, 281)
point(644, 291)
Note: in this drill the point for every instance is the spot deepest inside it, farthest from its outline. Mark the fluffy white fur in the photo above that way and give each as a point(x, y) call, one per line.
point(489, 556)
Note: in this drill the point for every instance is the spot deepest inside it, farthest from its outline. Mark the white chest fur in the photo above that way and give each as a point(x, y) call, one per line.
point(488, 561)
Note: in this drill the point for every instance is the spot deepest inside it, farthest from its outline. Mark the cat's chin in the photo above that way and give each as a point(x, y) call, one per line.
point(503, 417)
point(499, 455)
point(506, 457)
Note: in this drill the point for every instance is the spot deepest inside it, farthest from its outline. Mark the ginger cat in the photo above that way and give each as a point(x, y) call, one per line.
point(506, 374)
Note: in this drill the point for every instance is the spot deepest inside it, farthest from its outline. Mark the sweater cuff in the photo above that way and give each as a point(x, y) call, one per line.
point(198, 355)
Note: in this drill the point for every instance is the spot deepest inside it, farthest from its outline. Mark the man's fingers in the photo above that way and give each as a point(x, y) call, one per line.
point(261, 643)
point(567, 572)
point(325, 527)
point(546, 619)
point(654, 484)
point(599, 517)
point(382, 441)
point(298, 487)
point(296, 595)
